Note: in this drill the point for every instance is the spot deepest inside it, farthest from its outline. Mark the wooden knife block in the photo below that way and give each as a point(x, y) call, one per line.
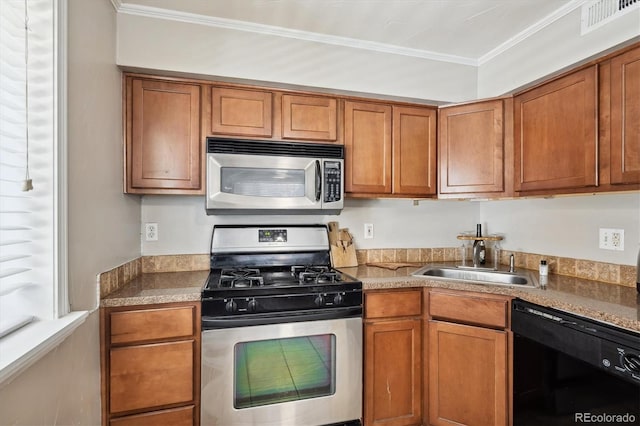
point(343, 250)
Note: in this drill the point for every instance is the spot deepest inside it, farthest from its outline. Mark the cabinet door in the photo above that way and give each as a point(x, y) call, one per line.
point(309, 118)
point(241, 112)
point(625, 118)
point(163, 136)
point(148, 376)
point(555, 134)
point(367, 142)
point(467, 375)
point(414, 151)
point(393, 380)
point(471, 148)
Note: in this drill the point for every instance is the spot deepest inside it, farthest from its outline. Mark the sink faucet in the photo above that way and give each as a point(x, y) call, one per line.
point(512, 263)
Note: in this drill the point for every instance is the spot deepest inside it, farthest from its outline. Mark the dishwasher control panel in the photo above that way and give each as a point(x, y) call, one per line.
point(621, 360)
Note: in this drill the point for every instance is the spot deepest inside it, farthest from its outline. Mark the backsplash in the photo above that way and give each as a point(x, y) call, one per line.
point(611, 273)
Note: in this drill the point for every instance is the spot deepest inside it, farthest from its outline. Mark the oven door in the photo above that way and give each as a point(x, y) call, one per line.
point(243, 182)
point(288, 374)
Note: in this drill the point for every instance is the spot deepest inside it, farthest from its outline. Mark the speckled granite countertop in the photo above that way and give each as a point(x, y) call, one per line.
point(162, 287)
point(610, 303)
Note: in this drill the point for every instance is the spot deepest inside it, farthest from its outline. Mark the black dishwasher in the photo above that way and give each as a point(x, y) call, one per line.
point(569, 369)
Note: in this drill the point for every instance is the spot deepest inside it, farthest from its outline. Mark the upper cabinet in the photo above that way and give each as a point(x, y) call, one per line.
point(265, 114)
point(241, 112)
point(574, 133)
point(389, 150)
point(367, 140)
point(414, 151)
point(309, 118)
point(625, 118)
point(555, 132)
point(163, 139)
point(475, 149)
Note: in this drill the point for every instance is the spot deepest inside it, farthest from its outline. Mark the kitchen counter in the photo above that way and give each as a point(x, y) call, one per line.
point(162, 287)
point(610, 303)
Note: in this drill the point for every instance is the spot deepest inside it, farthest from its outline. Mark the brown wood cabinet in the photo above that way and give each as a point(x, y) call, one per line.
point(163, 139)
point(414, 151)
point(469, 359)
point(475, 149)
point(241, 112)
point(625, 118)
point(313, 118)
point(389, 150)
point(150, 357)
point(393, 358)
point(556, 145)
point(367, 140)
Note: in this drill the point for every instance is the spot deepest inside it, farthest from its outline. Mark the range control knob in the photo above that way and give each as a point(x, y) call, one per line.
point(338, 299)
point(319, 300)
point(231, 306)
point(252, 306)
point(631, 362)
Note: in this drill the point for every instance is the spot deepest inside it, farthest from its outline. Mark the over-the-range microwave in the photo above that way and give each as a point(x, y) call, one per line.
point(265, 177)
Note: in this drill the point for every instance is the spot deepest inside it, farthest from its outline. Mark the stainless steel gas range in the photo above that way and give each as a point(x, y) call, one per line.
point(281, 330)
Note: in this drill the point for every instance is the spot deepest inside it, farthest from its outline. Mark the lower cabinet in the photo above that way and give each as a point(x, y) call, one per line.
point(436, 357)
point(467, 375)
point(393, 358)
point(150, 358)
point(468, 359)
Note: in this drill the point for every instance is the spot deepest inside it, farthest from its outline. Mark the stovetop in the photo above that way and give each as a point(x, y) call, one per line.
point(270, 270)
point(252, 279)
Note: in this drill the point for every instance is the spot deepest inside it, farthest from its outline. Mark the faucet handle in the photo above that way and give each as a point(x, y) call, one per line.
point(512, 263)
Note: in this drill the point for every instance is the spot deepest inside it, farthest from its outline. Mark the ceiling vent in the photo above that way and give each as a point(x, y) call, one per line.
point(596, 13)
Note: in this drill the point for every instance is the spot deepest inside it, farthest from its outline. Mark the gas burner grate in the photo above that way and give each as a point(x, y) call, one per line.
point(315, 274)
point(240, 277)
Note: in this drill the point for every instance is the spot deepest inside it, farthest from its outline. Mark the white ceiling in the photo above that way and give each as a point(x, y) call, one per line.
point(465, 31)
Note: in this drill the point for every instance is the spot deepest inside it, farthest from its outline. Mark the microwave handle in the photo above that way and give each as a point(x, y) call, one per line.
point(318, 181)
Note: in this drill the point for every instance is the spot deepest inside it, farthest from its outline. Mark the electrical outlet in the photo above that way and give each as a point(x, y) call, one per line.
point(151, 231)
point(611, 239)
point(368, 231)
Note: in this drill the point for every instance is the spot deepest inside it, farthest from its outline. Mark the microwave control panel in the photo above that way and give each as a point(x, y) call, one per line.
point(332, 181)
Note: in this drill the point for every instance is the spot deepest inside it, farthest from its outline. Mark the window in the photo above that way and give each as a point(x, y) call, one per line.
point(33, 300)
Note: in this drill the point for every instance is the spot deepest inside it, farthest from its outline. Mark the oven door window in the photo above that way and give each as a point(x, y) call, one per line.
point(256, 182)
point(282, 370)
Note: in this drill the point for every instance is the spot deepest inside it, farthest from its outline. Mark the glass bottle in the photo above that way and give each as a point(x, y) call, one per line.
point(479, 248)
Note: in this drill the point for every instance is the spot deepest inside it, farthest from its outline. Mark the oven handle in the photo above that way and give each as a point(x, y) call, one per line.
point(318, 181)
point(210, 323)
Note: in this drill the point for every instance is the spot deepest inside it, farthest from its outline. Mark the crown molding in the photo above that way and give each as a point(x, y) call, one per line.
point(528, 32)
point(231, 24)
point(117, 4)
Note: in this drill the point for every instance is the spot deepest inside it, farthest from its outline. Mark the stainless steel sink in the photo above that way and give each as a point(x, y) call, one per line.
point(485, 276)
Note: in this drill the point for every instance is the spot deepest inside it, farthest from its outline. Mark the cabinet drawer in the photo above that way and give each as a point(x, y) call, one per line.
point(393, 304)
point(176, 417)
point(149, 376)
point(489, 311)
point(152, 324)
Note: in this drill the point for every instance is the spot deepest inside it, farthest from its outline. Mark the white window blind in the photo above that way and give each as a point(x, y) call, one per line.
point(28, 284)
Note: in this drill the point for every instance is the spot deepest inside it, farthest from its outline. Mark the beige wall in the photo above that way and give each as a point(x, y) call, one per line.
point(63, 388)
point(553, 48)
point(183, 47)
